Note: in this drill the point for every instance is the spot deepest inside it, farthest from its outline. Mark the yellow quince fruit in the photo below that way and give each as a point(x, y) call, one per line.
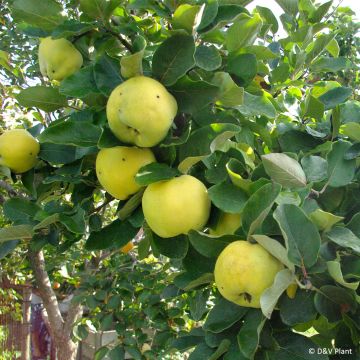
point(176, 206)
point(116, 168)
point(18, 150)
point(140, 111)
point(243, 271)
point(58, 58)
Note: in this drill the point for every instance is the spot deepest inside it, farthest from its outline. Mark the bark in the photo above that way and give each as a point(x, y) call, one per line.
point(60, 328)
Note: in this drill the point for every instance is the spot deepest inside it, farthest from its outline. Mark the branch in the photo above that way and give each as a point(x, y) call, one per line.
point(74, 314)
point(126, 44)
point(10, 190)
point(47, 294)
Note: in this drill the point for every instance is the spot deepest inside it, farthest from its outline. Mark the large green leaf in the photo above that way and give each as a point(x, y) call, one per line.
point(228, 197)
point(345, 238)
point(207, 245)
point(173, 58)
point(175, 247)
point(271, 295)
point(301, 235)
point(336, 96)
point(223, 315)
point(258, 206)
point(16, 232)
point(249, 334)
point(155, 172)
point(116, 234)
point(73, 131)
point(192, 96)
point(340, 171)
point(19, 209)
point(332, 301)
point(257, 105)
point(44, 14)
point(243, 31)
point(43, 97)
point(284, 170)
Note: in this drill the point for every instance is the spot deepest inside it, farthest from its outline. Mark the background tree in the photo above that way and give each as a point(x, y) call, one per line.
point(271, 127)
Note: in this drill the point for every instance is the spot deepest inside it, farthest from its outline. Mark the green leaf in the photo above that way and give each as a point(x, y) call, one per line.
point(298, 310)
point(324, 220)
point(271, 295)
point(351, 130)
point(333, 48)
point(269, 18)
point(43, 97)
point(185, 342)
point(19, 209)
point(314, 49)
point(243, 32)
point(71, 28)
point(16, 232)
point(332, 301)
point(334, 269)
point(101, 353)
point(335, 96)
point(229, 93)
point(107, 74)
point(207, 245)
point(45, 14)
point(258, 206)
point(315, 168)
point(249, 334)
point(201, 351)
point(99, 8)
point(117, 234)
point(80, 84)
point(354, 224)
point(330, 64)
point(275, 249)
point(228, 197)
point(296, 141)
point(290, 7)
point(257, 105)
point(7, 247)
point(186, 17)
point(320, 12)
point(209, 14)
point(174, 248)
point(243, 66)
point(131, 65)
point(192, 96)
point(154, 172)
point(222, 349)
point(340, 171)
point(198, 305)
point(72, 131)
point(200, 140)
point(173, 58)
point(301, 236)
point(345, 238)
point(74, 222)
point(313, 107)
point(284, 170)
point(207, 57)
point(223, 315)
point(64, 154)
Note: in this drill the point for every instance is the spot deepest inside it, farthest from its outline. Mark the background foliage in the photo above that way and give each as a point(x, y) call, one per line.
point(271, 126)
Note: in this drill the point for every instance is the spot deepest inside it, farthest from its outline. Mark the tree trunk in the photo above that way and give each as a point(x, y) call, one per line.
point(66, 349)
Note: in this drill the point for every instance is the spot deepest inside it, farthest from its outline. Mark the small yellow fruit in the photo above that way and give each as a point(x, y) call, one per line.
point(18, 150)
point(128, 247)
point(176, 206)
point(140, 111)
point(291, 291)
point(227, 225)
point(116, 168)
point(58, 58)
point(243, 271)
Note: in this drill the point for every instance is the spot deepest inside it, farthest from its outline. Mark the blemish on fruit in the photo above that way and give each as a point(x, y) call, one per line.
point(123, 159)
point(158, 96)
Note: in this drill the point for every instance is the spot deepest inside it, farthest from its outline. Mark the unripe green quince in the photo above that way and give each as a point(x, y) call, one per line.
point(243, 271)
point(18, 150)
point(58, 58)
point(116, 168)
point(140, 111)
point(176, 206)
